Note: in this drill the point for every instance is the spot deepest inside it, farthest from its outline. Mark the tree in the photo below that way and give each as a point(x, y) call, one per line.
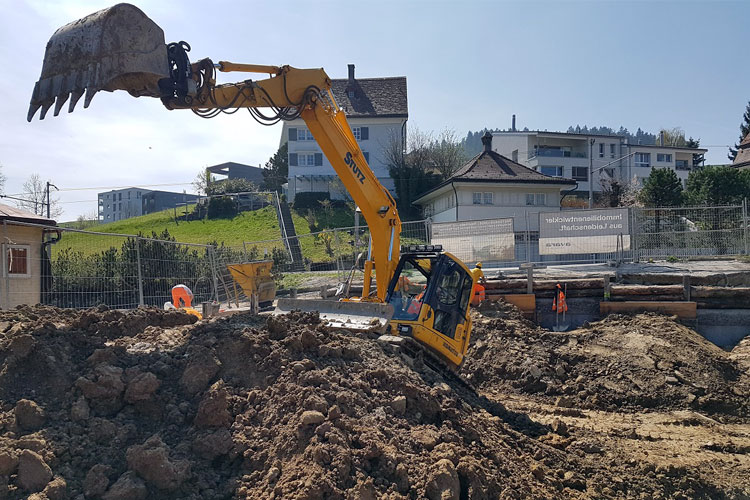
point(2, 179)
point(202, 181)
point(698, 158)
point(717, 186)
point(409, 165)
point(447, 154)
point(662, 188)
point(35, 198)
point(744, 130)
point(277, 169)
point(673, 137)
point(229, 186)
point(619, 193)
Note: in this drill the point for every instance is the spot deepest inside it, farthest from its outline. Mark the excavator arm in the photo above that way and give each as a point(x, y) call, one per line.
point(120, 48)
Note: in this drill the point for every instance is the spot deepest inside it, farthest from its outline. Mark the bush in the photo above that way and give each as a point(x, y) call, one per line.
point(223, 206)
point(310, 200)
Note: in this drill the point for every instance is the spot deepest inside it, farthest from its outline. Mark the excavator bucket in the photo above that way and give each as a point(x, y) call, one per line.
point(354, 316)
point(118, 48)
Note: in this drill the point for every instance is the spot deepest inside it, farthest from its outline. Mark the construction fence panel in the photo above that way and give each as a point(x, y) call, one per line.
point(684, 232)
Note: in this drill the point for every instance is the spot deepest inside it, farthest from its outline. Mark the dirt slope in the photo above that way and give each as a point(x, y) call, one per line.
point(101, 404)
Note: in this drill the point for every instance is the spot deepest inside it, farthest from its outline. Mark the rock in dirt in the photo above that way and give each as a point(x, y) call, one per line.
point(312, 417)
point(97, 481)
point(29, 416)
point(128, 487)
point(213, 410)
point(151, 462)
point(57, 489)
point(33, 472)
point(442, 482)
point(142, 387)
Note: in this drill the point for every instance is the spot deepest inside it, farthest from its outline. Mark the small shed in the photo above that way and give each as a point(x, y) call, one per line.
point(25, 262)
point(492, 186)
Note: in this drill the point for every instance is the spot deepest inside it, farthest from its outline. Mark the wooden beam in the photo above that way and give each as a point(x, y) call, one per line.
point(683, 310)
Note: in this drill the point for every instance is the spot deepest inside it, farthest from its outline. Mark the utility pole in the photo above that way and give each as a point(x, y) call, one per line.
point(591, 171)
point(49, 184)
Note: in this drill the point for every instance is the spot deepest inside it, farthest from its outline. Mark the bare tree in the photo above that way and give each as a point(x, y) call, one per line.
point(35, 198)
point(447, 153)
point(674, 137)
point(2, 179)
point(202, 181)
point(619, 192)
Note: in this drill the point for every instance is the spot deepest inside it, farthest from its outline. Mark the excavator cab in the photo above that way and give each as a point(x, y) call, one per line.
point(431, 294)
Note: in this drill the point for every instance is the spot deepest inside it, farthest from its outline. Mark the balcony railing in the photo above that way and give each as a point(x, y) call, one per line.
point(682, 165)
point(555, 153)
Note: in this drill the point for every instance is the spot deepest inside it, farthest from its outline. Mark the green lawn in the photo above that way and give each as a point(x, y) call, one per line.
point(256, 226)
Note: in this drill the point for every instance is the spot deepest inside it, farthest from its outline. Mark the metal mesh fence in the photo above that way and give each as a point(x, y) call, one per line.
point(690, 231)
point(72, 268)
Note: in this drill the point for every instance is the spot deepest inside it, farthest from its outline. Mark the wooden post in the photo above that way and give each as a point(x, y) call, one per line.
point(607, 288)
point(686, 287)
point(530, 280)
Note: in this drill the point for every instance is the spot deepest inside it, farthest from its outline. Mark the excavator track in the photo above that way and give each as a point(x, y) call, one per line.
point(462, 387)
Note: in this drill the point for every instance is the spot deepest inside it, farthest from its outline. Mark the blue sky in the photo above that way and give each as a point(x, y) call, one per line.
point(469, 65)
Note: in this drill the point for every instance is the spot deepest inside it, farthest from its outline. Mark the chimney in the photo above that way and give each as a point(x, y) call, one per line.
point(487, 141)
point(351, 73)
point(513, 127)
point(661, 138)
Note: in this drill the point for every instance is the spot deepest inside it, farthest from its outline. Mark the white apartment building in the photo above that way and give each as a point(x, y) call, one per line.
point(377, 110)
point(609, 156)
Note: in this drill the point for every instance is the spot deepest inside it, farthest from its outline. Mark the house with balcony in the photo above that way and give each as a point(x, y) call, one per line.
point(376, 109)
point(493, 186)
point(570, 155)
point(120, 204)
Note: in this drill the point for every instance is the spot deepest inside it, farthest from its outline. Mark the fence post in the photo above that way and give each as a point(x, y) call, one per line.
point(212, 260)
point(634, 233)
point(427, 238)
point(5, 303)
point(140, 275)
point(744, 221)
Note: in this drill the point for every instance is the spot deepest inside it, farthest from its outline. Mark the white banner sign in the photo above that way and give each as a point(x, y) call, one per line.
point(584, 231)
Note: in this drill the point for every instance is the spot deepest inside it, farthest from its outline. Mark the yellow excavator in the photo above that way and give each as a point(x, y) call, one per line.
point(421, 294)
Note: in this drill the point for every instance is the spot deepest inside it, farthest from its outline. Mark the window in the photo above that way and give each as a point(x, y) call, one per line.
point(537, 199)
point(682, 165)
point(119, 207)
point(581, 173)
point(643, 159)
point(552, 171)
point(612, 149)
point(488, 198)
point(476, 198)
point(665, 158)
point(357, 131)
point(128, 194)
point(304, 134)
point(119, 196)
point(17, 261)
point(306, 159)
point(601, 150)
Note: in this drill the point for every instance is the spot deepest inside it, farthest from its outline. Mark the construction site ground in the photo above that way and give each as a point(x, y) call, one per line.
point(152, 404)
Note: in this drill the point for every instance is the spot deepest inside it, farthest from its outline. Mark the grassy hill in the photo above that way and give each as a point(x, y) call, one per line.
point(256, 226)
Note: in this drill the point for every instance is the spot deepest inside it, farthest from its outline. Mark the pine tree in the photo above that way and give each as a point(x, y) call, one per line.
point(744, 130)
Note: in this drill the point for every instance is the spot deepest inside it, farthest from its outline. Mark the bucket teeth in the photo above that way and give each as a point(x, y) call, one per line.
point(118, 48)
point(89, 95)
point(74, 96)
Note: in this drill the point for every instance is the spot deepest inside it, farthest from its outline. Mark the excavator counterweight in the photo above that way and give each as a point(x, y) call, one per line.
point(118, 48)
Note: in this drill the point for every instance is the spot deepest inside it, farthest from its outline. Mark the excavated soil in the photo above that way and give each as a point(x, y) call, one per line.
point(149, 404)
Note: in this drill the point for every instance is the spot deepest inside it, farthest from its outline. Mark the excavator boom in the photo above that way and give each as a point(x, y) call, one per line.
point(121, 49)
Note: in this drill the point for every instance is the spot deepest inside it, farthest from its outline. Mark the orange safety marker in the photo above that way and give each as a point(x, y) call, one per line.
point(558, 303)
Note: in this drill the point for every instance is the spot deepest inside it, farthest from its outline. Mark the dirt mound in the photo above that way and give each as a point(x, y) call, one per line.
point(147, 405)
point(622, 362)
point(104, 405)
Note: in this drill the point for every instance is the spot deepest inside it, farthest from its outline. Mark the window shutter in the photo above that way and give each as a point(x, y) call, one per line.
point(292, 134)
point(364, 133)
point(367, 156)
point(318, 159)
point(293, 158)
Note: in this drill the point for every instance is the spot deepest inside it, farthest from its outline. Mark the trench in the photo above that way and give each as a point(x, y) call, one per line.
point(723, 327)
